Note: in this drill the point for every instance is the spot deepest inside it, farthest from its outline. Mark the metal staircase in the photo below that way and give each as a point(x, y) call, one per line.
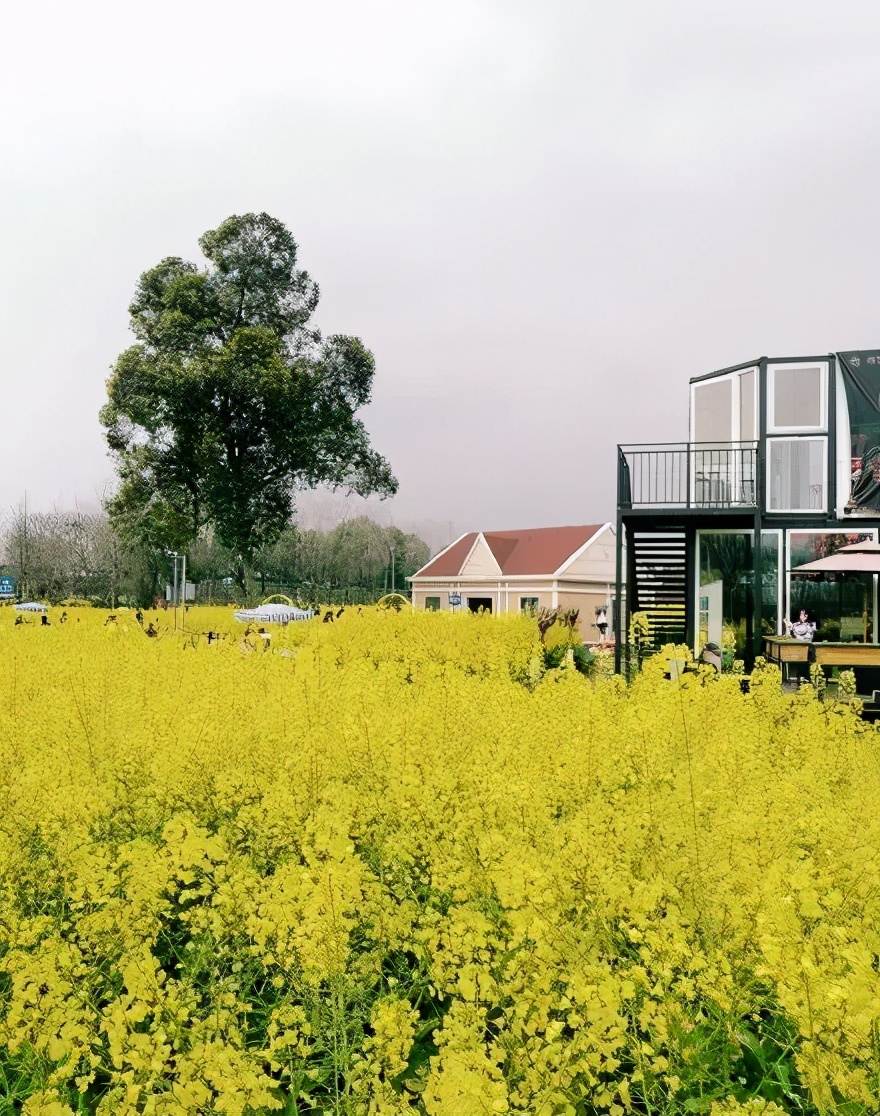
point(657, 582)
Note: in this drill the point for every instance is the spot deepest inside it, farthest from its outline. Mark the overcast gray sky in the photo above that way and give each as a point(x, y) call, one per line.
point(543, 218)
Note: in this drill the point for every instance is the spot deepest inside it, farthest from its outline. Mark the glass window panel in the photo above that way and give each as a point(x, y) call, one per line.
point(797, 398)
point(713, 412)
point(841, 605)
point(796, 475)
point(770, 587)
point(432, 604)
point(726, 611)
point(747, 431)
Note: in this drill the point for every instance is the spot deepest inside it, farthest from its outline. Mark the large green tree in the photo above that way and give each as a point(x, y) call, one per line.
point(231, 399)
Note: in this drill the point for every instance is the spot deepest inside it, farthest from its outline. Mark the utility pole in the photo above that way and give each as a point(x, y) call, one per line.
point(22, 552)
point(175, 590)
point(390, 546)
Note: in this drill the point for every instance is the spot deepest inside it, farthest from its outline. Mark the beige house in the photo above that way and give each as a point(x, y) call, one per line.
point(522, 571)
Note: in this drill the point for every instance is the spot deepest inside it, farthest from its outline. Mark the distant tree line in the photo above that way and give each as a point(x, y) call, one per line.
point(63, 555)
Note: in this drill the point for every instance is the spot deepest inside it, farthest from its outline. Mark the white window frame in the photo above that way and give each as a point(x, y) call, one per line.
point(792, 366)
point(735, 413)
point(823, 438)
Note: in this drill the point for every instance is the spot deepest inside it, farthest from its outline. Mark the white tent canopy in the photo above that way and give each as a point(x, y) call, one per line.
point(31, 606)
point(273, 614)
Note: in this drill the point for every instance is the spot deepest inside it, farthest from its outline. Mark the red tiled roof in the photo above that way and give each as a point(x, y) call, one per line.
point(449, 562)
point(541, 550)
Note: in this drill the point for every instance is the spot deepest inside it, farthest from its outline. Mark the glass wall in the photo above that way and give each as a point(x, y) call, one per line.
point(771, 583)
point(841, 604)
point(725, 609)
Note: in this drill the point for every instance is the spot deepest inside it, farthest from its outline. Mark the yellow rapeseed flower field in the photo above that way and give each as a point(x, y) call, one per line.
point(391, 865)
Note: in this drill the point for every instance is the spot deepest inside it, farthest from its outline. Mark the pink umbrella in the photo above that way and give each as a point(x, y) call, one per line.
point(860, 557)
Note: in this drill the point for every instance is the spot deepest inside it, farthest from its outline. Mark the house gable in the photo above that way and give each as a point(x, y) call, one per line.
point(594, 560)
point(481, 562)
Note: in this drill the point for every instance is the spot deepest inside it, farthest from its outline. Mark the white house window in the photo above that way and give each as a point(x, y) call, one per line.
point(796, 398)
point(796, 474)
point(432, 604)
point(528, 605)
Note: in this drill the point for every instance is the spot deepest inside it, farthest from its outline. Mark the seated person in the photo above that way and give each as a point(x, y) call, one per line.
point(802, 628)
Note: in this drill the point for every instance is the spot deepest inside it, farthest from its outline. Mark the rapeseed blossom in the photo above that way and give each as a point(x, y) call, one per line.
point(391, 865)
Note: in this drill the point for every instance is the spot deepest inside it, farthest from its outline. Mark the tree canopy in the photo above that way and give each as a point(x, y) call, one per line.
point(231, 399)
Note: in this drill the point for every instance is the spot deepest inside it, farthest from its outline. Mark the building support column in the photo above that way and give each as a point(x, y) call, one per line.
point(618, 597)
point(760, 489)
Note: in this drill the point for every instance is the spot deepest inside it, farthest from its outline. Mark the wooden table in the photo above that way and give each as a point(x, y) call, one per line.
point(846, 654)
point(783, 649)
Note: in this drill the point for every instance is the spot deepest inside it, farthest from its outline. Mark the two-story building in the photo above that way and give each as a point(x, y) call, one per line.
point(782, 466)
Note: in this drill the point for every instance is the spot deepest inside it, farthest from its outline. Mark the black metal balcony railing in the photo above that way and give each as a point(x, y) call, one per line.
point(688, 475)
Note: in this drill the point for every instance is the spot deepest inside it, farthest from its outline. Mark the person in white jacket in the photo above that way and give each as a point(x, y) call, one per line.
point(802, 628)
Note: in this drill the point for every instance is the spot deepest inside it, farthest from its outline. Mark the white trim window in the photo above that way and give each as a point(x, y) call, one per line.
point(797, 398)
point(797, 471)
point(724, 408)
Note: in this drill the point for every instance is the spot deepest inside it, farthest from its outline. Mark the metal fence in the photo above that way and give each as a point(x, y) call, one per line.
point(221, 593)
point(688, 475)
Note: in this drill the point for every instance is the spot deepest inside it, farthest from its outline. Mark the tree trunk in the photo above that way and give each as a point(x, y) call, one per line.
point(241, 575)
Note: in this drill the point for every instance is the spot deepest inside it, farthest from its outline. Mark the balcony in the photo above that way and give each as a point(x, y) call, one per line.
point(710, 475)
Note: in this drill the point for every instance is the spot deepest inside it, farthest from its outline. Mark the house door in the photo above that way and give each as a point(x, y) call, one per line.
point(477, 603)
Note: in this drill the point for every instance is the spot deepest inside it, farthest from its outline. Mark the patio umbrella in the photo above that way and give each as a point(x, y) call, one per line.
point(860, 557)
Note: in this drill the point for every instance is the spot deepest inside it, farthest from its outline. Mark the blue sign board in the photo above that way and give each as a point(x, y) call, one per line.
point(7, 586)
